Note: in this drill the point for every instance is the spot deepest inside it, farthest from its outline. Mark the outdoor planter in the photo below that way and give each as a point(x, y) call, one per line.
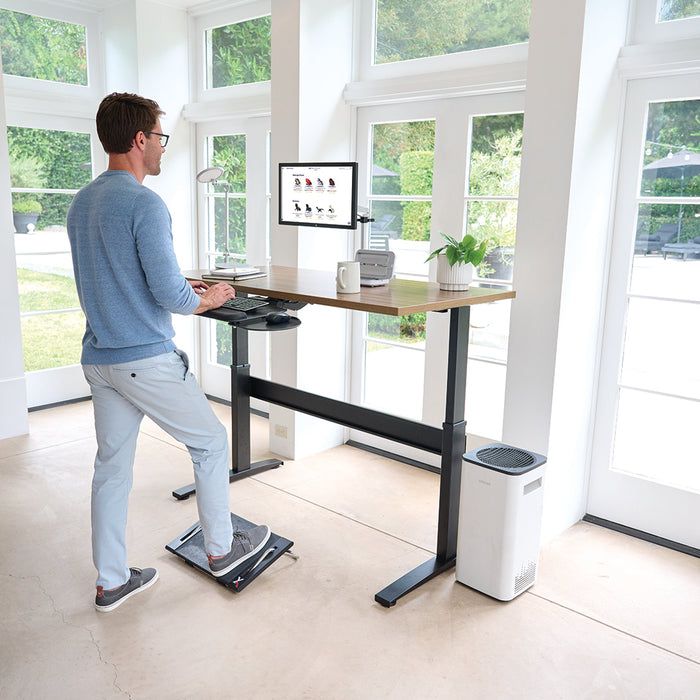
point(24, 221)
point(499, 262)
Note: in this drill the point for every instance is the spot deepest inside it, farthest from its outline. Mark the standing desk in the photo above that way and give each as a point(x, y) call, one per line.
point(398, 298)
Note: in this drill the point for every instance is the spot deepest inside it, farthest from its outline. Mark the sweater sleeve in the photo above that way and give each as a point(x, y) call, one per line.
point(154, 242)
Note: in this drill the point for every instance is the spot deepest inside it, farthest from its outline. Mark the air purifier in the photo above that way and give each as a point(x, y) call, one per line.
point(500, 518)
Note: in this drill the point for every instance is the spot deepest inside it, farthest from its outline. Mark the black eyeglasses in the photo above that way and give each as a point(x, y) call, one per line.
point(163, 137)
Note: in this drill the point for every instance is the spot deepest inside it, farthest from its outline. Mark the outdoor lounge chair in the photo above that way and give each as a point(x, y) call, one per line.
point(378, 234)
point(683, 249)
point(654, 242)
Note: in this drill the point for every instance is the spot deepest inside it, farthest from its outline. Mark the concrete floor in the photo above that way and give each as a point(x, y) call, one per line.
point(609, 616)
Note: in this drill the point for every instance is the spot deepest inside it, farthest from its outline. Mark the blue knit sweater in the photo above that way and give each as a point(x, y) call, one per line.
point(126, 272)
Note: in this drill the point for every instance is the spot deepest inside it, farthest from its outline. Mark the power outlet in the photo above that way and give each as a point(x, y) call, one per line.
point(281, 431)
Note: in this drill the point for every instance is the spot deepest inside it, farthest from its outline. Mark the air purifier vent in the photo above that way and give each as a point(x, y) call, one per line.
point(526, 577)
point(505, 457)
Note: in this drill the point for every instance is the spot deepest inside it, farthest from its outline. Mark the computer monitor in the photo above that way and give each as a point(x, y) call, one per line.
point(318, 194)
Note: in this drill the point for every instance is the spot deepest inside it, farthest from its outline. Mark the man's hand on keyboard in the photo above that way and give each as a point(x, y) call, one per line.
point(214, 296)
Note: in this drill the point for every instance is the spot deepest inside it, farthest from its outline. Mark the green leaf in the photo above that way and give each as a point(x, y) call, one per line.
point(435, 253)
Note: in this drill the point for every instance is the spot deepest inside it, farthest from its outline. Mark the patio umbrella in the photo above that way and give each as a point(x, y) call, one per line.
point(378, 171)
point(682, 164)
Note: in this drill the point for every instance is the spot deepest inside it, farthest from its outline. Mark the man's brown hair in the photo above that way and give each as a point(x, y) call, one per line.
point(121, 116)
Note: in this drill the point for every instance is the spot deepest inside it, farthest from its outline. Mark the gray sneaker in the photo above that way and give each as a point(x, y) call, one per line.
point(138, 581)
point(245, 544)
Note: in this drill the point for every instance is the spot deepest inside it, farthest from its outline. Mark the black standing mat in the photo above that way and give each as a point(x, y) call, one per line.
point(189, 546)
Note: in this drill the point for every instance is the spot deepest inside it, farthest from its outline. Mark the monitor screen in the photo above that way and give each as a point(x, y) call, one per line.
point(318, 194)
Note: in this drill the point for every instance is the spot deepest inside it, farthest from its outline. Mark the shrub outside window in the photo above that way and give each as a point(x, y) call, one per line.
point(678, 9)
point(43, 49)
point(408, 29)
point(238, 54)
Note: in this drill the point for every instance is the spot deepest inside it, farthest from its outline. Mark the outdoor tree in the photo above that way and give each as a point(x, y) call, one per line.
point(408, 29)
point(46, 49)
point(678, 9)
point(240, 53)
point(495, 172)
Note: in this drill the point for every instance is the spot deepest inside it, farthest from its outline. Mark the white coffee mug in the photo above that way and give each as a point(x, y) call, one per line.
point(348, 277)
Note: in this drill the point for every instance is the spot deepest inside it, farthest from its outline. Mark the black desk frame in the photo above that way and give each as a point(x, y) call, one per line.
point(449, 442)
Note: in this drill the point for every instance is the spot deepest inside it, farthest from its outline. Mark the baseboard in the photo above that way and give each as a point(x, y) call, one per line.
point(641, 535)
point(392, 455)
point(226, 402)
point(56, 404)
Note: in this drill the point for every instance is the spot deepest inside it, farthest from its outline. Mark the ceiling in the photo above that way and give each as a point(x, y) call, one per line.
point(178, 4)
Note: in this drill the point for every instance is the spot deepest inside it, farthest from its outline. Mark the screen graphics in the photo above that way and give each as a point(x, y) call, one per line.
point(318, 194)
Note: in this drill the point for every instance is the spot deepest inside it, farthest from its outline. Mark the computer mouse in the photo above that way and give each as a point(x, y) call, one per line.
point(275, 317)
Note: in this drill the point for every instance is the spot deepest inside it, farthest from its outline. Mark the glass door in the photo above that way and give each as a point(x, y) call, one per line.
point(242, 149)
point(400, 204)
point(646, 469)
point(47, 168)
point(447, 166)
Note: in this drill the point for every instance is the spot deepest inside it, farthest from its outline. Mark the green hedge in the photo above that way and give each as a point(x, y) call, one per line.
point(416, 176)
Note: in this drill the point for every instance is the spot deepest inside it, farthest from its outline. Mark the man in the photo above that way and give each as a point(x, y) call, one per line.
point(129, 284)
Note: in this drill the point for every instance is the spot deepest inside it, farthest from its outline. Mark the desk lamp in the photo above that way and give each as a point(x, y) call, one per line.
point(212, 175)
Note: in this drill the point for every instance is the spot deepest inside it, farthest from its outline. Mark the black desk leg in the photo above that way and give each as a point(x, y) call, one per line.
point(240, 417)
point(453, 446)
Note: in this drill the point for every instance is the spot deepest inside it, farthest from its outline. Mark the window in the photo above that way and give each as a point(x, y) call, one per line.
point(45, 49)
point(491, 209)
point(237, 54)
point(644, 466)
point(401, 186)
point(47, 167)
point(408, 29)
point(450, 166)
point(241, 148)
point(678, 9)
point(656, 21)
point(658, 366)
point(226, 197)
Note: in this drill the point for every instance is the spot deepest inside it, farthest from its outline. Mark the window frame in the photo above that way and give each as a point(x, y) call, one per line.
point(612, 494)
point(645, 29)
point(73, 99)
point(490, 63)
point(213, 376)
point(211, 20)
point(451, 160)
point(44, 104)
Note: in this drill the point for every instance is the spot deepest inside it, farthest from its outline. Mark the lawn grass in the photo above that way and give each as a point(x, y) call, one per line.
point(51, 340)
point(43, 291)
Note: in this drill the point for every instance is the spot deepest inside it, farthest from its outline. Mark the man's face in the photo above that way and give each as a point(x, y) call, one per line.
point(154, 151)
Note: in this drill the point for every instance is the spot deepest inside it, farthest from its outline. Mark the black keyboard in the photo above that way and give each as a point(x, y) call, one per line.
point(244, 303)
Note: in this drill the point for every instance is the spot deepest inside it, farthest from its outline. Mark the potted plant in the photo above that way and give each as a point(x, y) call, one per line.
point(26, 172)
point(25, 213)
point(457, 260)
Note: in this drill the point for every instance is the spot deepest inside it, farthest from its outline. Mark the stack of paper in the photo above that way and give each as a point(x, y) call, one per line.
point(239, 272)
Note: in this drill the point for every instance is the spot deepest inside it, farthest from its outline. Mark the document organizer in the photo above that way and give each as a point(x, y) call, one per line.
point(189, 546)
point(376, 266)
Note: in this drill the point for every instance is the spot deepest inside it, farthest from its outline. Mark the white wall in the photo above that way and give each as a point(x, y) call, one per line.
point(567, 185)
point(311, 64)
point(146, 52)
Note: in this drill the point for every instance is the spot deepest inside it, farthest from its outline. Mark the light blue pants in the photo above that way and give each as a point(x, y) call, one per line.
point(163, 389)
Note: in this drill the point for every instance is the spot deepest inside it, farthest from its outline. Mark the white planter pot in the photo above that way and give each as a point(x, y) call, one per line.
point(456, 278)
